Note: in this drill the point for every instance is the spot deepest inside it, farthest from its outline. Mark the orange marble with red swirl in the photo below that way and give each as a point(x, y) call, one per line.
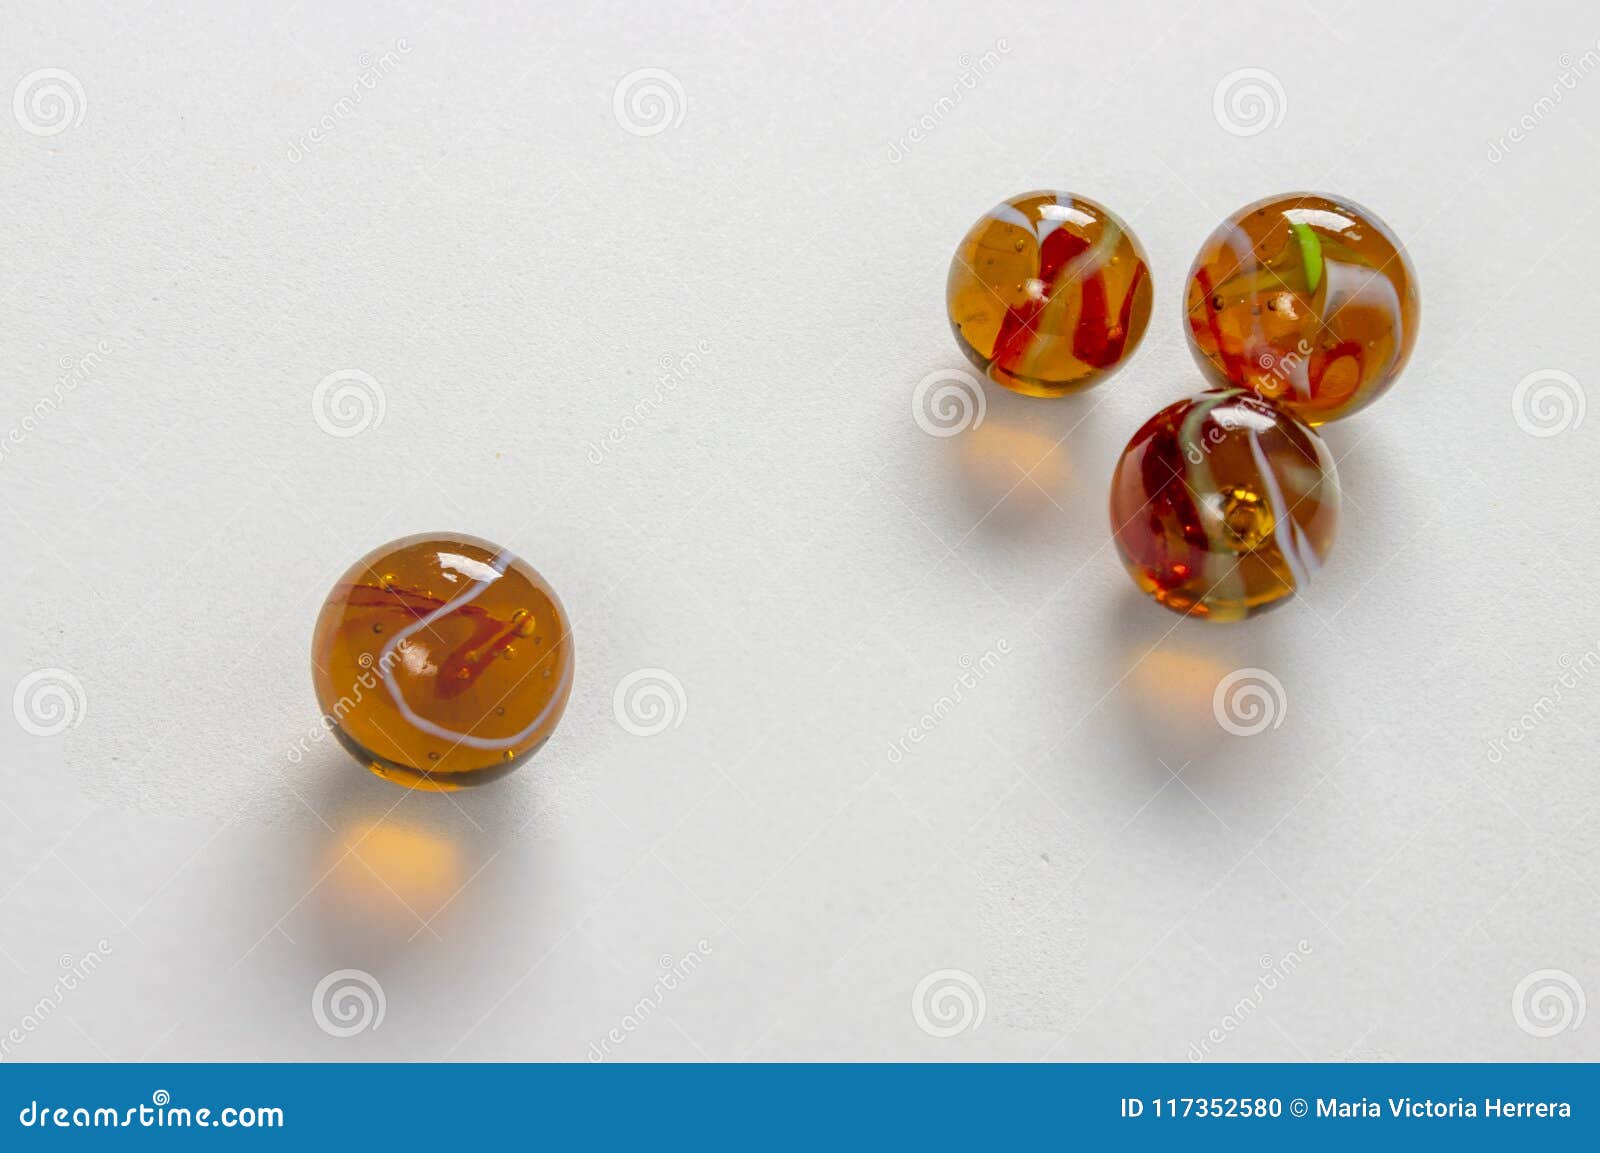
point(1049, 293)
point(1224, 505)
point(442, 661)
point(1307, 300)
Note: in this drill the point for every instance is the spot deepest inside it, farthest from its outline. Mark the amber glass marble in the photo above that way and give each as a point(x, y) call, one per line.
point(442, 661)
point(1308, 300)
point(1049, 293)
point(1223, 505)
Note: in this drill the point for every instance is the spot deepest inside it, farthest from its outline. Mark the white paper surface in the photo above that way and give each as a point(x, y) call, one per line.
point(667, 352)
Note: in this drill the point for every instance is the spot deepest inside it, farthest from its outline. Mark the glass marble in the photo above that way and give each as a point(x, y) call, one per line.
point(1049, 293)
point(1223, 505)
point(1308, 300)
point(442, 661)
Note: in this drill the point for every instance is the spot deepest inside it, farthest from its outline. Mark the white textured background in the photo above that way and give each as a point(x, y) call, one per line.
point(482, 235)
